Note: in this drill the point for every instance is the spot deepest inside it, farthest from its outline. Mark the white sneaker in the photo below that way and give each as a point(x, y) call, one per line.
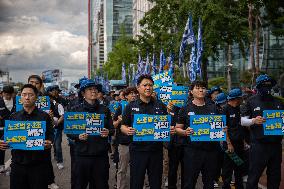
point(53, 186)
point(245, 178)
point(166, 182)
point(2, 168)
point(60, 166)
point(216, 185)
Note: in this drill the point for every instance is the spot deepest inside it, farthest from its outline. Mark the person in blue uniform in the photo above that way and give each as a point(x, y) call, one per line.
point(91, 165)
point(235, 140)
point(265, 150)
point(144, 156)
point(198, 156)
point(29, 168)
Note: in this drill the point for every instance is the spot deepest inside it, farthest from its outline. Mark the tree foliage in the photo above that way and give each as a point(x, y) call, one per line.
point(124, 51)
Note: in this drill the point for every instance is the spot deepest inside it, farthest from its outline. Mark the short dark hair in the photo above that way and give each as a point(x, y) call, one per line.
point(30, 86)
point(129, 90)
point(197, 83)
point(144, 76)
point(8, 89)
point(35, 77)
point(121, 91)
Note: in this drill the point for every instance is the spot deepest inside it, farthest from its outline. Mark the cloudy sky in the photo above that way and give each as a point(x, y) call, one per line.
point(38, 35)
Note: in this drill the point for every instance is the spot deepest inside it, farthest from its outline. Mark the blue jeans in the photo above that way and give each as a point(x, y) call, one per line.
point(57, 145)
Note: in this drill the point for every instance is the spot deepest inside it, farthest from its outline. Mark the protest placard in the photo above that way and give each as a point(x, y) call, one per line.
point(43, 103)
point(274, 122)
point(208, 127)
point(151, 127)
point(83, 122)
point(25, 135)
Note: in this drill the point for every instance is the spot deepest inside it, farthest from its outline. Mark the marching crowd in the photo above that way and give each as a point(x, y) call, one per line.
point(160, 161)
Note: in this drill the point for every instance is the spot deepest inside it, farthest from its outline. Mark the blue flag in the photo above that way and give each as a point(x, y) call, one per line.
point(133, 75)
point(140, 68)
point(162, 61)
point(154, 68)
point(123, 72)
point(187, 38)
point(171, 62)
point(147, 69)
point(192, 64)
point(199, 48)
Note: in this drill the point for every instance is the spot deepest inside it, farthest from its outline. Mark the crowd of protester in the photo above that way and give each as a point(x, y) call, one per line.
point(174, 164)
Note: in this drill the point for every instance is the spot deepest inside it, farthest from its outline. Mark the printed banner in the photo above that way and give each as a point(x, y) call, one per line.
point(151, 127)
point(83, 122)
point(165, 78)
point(25, 135)
point(274, 124)
point(113, 107)
point(177, 95)
point(43, 103)
point(208, 127)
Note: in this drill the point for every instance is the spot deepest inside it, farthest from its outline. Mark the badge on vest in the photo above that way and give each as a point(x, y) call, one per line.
point(191, 113)
point(234, 115)
point(256, 109)
point(135, 109)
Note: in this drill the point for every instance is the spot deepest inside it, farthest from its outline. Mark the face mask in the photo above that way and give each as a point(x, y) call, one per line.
point(264, 90)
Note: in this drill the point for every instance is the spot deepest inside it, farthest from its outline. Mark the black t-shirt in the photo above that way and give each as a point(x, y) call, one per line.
point(184, 118)
point(28, 157)
point(154, 107)
point(253, 108)
point(233, 118)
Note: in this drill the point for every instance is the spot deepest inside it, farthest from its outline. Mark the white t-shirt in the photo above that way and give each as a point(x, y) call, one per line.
point(9, 104)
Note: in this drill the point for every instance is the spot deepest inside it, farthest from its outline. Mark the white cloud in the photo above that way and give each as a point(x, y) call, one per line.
point(36, 35)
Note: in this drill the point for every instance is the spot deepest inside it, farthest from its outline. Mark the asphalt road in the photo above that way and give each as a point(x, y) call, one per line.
point(62, 177)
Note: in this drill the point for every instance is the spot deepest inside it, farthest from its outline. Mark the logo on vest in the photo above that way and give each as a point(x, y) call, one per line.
point(135, 109)
point(256, 109)
point(234, 115)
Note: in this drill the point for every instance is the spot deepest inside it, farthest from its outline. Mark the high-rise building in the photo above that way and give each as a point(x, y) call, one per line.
point(111, 15)
point(271, 59)
point(140, 7)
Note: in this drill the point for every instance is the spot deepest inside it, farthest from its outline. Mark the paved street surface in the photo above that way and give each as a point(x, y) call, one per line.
point(62, 177)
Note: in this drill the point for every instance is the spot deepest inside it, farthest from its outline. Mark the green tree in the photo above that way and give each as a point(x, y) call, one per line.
point(124, 51)
point(164, 26)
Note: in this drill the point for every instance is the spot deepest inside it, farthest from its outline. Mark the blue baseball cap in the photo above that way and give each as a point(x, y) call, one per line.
point(264, 78)
point(49, 89)
point(221, 98)
point(235, 93)
point(213, 89)
point(89, 83)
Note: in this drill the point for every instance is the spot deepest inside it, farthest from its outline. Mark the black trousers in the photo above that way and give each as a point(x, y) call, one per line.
point(265, 155)
point(2, 152)
point(2, 157)
point(219, 164)
point(175, 153)
point(28, 176)
point(93, 171)
point(196, 161)
point(142, 161)
point(229, 166)
point(72, 159)
point(50, 172)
